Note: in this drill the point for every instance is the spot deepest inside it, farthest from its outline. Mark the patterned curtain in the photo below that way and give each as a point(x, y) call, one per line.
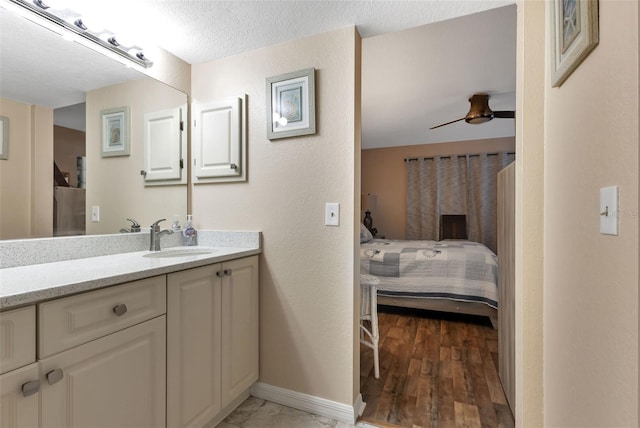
point(454, 185)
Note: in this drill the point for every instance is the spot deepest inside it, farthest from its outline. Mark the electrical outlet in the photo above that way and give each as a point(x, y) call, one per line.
point(332, 214)
point(95, 213)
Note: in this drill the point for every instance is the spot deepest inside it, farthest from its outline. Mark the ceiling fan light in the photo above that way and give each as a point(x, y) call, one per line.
point(479, 111)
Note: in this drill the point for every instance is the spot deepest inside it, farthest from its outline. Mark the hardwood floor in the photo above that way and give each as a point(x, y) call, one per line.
point(436, 370)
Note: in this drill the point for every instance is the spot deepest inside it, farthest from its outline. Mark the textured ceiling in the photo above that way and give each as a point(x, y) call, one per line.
point(422, 77)
point(200, 30)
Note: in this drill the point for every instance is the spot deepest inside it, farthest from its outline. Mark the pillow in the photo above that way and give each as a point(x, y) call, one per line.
point(365, 235)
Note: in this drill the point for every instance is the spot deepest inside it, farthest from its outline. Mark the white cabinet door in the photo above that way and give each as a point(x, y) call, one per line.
point(163, 147)
point(16, 409)
point(193, 346)
point(212, 340)
point(218, 141)
point(239, 327)
point(115, 381)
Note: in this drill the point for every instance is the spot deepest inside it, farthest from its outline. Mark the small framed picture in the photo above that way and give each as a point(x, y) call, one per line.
point(115, 132)
point(291, 109)
point(574, 30)
point(4, 138)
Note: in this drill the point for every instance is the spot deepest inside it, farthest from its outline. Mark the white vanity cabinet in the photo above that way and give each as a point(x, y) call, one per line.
point(19, 372)
point(176, 349)
point(212, 340)
point(102, 357)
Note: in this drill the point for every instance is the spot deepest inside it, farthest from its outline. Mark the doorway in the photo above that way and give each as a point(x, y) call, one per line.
point(385, 147)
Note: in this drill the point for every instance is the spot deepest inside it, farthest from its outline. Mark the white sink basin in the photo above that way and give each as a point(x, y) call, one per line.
point(178, 252)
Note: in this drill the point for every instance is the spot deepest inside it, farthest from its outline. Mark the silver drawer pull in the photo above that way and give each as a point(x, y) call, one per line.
point(55, 376)
point(120, 310)
point(30, 388)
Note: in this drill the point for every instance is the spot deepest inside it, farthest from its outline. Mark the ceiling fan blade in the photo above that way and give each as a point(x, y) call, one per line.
point(448, 123)
point(504, 114)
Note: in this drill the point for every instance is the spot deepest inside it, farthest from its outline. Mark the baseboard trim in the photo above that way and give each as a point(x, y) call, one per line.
point(309, 403)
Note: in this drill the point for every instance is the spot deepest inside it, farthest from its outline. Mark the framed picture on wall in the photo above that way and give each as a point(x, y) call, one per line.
point(574, 35)
point(291, 109)
point(4, 135)
point(115, 132)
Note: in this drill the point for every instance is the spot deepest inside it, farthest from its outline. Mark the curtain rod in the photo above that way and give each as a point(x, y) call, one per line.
point(459, 156)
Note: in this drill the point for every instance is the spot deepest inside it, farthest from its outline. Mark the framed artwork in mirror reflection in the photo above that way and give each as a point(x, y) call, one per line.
point(115, 132)
point(291, 109)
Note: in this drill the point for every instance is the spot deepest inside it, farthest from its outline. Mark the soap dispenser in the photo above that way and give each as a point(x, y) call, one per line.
point(190, 235)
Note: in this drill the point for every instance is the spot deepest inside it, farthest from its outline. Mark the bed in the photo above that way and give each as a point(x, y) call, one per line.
point(456, 276)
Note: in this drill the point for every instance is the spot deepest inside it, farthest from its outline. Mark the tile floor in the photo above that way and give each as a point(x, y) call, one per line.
point(257, 413)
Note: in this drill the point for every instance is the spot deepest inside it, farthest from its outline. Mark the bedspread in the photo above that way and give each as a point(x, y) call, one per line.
point(452, 269)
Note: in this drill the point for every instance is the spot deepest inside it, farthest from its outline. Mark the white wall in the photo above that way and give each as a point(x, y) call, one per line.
point(591, 280)
point(307, 329)
point(169, 69)
point(529, 212)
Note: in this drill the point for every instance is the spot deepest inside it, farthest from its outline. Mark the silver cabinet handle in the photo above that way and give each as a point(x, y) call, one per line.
point(30, 388)
point(120, 310)
point(220, 274)
point(233, 166)
point(55, 376)
point(228, 272)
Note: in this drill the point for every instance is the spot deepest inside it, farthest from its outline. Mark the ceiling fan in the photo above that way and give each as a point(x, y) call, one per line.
point(480, 112)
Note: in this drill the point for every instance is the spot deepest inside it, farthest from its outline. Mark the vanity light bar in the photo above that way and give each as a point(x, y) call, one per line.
point(132, 53)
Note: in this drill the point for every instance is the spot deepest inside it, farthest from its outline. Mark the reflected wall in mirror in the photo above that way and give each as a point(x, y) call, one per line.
point(43, 75)
point(115, 184)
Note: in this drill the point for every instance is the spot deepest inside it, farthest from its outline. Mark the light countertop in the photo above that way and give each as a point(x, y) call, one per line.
point(29, 284)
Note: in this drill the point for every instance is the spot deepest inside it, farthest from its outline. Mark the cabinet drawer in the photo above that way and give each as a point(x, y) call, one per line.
point(71, 321)
point(17, 338)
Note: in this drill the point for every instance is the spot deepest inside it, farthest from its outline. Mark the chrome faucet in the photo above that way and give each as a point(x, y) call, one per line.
point(155, 234)
point(135, 227)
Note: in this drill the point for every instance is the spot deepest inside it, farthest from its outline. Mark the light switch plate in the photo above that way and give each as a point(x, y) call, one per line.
point(95, 213)
point(332, 214)
point(609, 210)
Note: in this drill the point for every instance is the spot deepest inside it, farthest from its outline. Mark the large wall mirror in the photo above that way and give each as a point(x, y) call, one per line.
point(55, 98)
